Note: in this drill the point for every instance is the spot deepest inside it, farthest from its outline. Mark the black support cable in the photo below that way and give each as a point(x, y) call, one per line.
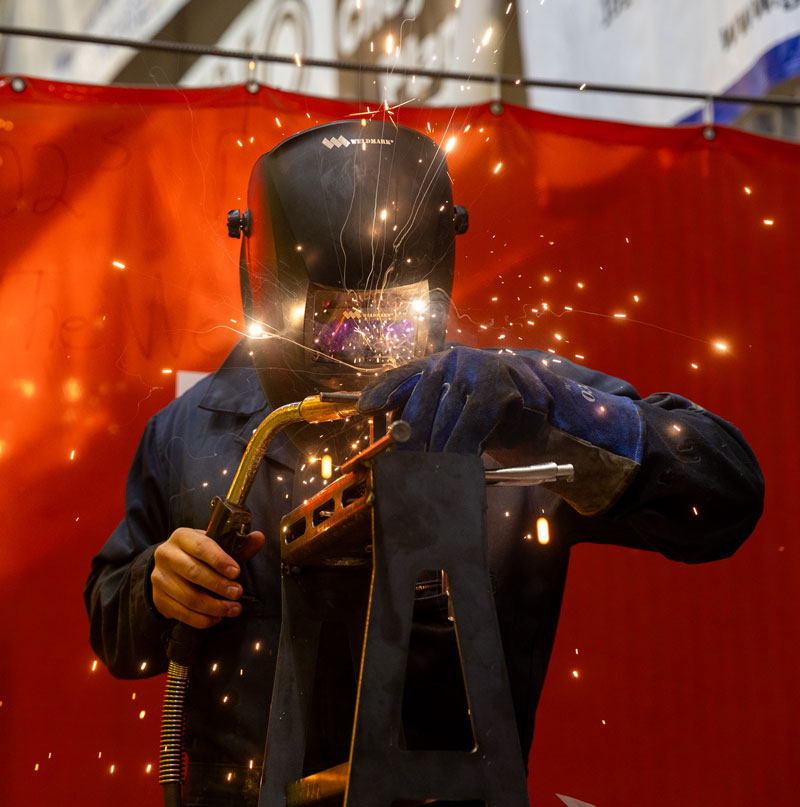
point(336, 64)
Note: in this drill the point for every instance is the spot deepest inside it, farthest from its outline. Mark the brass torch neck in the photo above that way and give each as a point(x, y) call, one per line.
point(310, 410)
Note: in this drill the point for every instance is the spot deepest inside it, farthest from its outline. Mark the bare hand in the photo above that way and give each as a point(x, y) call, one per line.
point(188, 567)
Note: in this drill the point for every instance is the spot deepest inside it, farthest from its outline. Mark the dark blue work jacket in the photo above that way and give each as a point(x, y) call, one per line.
point(695, 498)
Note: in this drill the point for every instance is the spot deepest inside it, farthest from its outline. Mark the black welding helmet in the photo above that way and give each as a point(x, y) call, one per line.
point(347, 260)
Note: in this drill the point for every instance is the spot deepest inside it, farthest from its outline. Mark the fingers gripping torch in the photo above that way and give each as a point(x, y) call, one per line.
point(230, 523)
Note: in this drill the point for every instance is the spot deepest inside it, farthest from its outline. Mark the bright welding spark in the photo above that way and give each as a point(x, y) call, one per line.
point(769, 222)
point(450, 144)
point(497, 167)
point(389, 43)
point(582, 87)
point(747, 190)
point(487, 36)
point(458, 3)
point(383, 214)
point(297, 60)
point(508, 8)
point(143, 666)
point(142, 714)
point(94, 665)
point(720, 346)
point(326, 466)
point(118, 264)
point(166, 371)
point(620, 316)
point(542, 531)
point(255, 330)
point(575, 673)
point(278, 121)
point(148, 768)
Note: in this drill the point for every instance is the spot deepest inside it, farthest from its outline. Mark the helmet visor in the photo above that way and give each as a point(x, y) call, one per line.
point(367, 329)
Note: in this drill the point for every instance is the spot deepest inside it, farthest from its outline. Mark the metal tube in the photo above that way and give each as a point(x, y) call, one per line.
point(228, 53)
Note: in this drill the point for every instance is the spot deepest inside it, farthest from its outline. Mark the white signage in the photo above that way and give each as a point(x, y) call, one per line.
point(700, 45)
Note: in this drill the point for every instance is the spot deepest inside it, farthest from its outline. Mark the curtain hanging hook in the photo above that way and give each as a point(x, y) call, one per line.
point(709, 132)
point(252, 84)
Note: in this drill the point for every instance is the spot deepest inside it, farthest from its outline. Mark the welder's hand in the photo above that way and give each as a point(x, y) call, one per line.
point(521, 411)
point(462, 400)
point(188, 567)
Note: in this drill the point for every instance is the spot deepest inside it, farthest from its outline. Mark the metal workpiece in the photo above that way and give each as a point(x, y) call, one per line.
point(427, 511)
point(332, 528)
point(530, 474)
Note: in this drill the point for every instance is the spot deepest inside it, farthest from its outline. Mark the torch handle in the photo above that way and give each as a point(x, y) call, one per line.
point(229, 526)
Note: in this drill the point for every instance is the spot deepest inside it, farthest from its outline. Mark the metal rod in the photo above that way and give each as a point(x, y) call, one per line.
point(398, 432)
point(530, 474)
point(336, 64)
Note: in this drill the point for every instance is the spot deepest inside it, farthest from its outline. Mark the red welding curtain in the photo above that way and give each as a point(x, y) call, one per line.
point(117, 273)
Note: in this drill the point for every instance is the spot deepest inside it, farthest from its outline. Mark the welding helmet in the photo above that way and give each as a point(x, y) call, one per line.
point(347, 258)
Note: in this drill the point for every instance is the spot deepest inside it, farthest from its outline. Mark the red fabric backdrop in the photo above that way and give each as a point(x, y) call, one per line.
point(685, 687)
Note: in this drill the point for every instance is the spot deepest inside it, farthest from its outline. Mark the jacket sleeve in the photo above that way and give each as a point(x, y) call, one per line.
point(126, 631)
point(698, 493)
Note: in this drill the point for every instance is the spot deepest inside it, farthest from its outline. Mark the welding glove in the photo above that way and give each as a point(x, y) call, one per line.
point(520, 412)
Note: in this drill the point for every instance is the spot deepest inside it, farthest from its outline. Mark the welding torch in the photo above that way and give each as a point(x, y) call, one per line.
point(229, 526)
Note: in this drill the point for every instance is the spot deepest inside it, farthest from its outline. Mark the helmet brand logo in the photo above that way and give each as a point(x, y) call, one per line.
point(343, 142)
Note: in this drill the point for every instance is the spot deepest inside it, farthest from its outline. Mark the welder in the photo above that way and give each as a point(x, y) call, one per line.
point(348, 247)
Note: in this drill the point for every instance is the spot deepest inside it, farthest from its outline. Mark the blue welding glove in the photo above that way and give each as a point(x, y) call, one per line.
point(519, 411)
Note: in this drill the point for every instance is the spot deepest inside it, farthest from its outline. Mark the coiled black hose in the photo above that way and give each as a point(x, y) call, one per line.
point(170, 769)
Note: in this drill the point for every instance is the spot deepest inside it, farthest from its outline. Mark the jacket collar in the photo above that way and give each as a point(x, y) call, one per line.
point(234, 390)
